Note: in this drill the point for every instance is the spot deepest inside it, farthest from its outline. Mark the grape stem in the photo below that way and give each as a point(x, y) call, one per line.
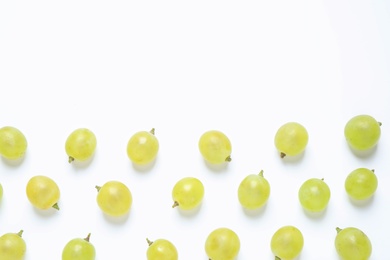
point(56, 206)
point(98, 188)
point(20, 233)
point(277, 258)
point(88, 237)
point(282, 155)
point(261, 173)
point(338, 229)
point(149, 242)
point(152, 131)
point(228, 159)
point(175, 204)
point(71, 159)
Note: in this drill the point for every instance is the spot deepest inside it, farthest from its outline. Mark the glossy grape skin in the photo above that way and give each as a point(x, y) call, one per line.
point(361, 184)
point(352, 244)
point(362, 132)
point(161, 249)
point(314, 195)
point(13, 143)
point(254, 191)
point(80, 144)
point(43, 192)
point(79, 249)
point(114, 198)
point(142, 147)
point(287, 242)
point(222, 244)
point(215, 147)
point(188, 193)
point(291, 139)
point(12, 246)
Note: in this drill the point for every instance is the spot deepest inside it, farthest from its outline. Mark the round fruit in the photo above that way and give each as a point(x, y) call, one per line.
point(114, 198)
point(187, 193)
point(362, 132)
point(215, 147)
point(222, 244)
point(314, 195)
point(291, 139)
point(43, 192)
point(253, 191)
point(161, 249)
point(79, 249)
point(142, 147)
point(12, 246)
point(352, 244)
point(13, 143)
point(287, 242)
point(361, 184)
point(80, 145)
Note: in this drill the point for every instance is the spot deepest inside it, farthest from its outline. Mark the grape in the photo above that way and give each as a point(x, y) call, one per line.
point(12, 246)
point(362, 132)
point(80, 145)
point(114, 198)
point(142, 147)
point(188, 193)
point(361, 184)
point(215, 147)
point(287, 243)
point(43, 192)
point(161, 249)
point(314, 195)
point(222, 244)
point(352, 244)
point(253, 191)
point(13, 143)
point(291, 139)
point(79, 249)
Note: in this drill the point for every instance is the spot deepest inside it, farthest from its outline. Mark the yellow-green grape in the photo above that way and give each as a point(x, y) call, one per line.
point(287, 243)
point(187, 193)
point(254, 191)
point(352, 244)
point(215, 147)
point(291, 139)
point(222, 244)
point(43, 192)
point(142, 147)
point(362, 132)
point(161, 249)
point(79, 249)
point(12, 246)
point(13, 143)
point(80, 144)
point(114, 198)
point(314, 195)
point(361, 184)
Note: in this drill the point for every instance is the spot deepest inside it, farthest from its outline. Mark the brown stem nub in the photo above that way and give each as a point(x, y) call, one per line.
point(88, 237)
point(380, 123)
point(149, 242)
point(228, 159)
point(56, 206)
point(282, 155)
point(175, 204)
point(71, 159)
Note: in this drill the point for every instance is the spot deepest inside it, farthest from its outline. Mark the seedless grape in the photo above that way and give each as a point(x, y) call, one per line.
point(142, 147)
point(253, 191)
point(114, 198)
point(13, 143)
point(362, 132)
point(79, 249)
point(222, 244)
point(43, 192)
point(287, 243)
point(12, 246)
point(291, 139)
point(352, 244)
point(215, 147)
point(161, 249)
point(361, 184)
point(314, 195)
point(188, 193)
point(80, 144)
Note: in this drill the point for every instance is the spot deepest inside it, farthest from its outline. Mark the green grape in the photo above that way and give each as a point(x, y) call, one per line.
point(352, 244)
point(314, 195)
point(254, 191)
point(12, 246)
point(215, 147)
point(187, 193)
point(287, 243)
point(43, 192)
point(80, 145)
point(361, 184)
point(79, 249)
point(114, 198)
point(142, 147)
point(362, 132)
point(222, 244)
point(291, 139)
point(161, 249)
point(13, 143)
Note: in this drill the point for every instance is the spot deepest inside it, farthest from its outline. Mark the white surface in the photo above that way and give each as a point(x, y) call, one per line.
point(243, 67)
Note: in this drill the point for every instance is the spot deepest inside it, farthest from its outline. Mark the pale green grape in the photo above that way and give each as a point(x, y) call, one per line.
point(188, 193)
point(80, 144)
point(287, 243)
point(314, 195)
point(142, 147)
point(13, 143)
point(291, 139)
point(114, 198)
point(361, 184)
point(254, 191)
point(362, 132)
point(161, 249)
point(222, 244)
point(43, 192)
point(352, 244)
point(12, 246)
point(215, 147)
point(79, 249)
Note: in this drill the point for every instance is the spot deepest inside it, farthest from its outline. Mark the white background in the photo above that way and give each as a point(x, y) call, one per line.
point(242, 67)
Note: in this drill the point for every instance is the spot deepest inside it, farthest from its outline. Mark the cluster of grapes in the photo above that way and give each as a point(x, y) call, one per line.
point(115, 199)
